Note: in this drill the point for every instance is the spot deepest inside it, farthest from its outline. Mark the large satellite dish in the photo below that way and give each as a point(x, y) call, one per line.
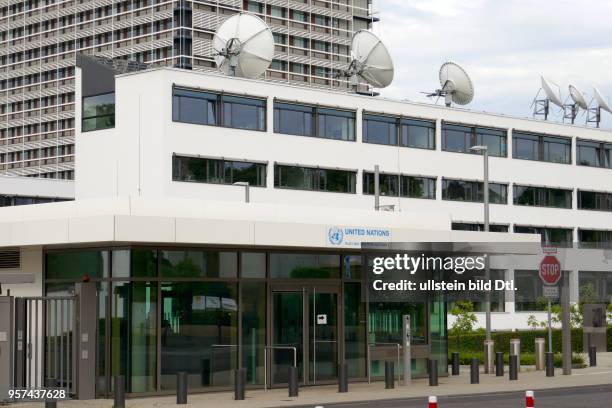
point(601, 101)
point(371, 61)
point(243, 46)
point(578, 97)
point(457, 87)
point(551, 95)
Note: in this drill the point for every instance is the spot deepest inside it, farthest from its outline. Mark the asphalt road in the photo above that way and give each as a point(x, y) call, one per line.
point(576, 397)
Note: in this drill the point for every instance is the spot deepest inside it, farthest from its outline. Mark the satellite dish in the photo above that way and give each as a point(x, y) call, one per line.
point(578, 97)
point(243, 46)
point(551, 95)
point(371, 61)
point(457, 87)
point(601, 101)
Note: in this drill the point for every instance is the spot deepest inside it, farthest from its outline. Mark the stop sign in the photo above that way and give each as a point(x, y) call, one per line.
point(550, 270)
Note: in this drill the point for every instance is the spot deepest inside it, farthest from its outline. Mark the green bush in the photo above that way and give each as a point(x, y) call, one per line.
point(465, 358)
point(609, 338)
point(474, 342)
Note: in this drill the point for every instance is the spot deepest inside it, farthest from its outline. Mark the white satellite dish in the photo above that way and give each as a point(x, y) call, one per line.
point(601, 101)
point(371, 61)
point(578, 97)
point(457, 87)
point(243, 46)
point(551, 95)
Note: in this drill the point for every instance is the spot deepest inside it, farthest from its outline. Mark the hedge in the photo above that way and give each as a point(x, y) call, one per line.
point(465, 358)
point(609, 338)
point(473, 342)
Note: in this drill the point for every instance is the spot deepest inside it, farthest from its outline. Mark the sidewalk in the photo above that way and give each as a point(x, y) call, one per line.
point(323, 395)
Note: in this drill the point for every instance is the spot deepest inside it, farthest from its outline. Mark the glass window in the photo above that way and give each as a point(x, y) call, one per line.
point(294, 119)
point(253, 330)
point(461, 190)
point(456, 138)
point(355, 339)
point(477, 227)
point(526, 146)
point(315, 179)
point(418, 187)
point(388, 183)
point(550, 236)
point(196, 316)
point(304, 266)
point(495, 140)
point(201, 170)
point(594, 238)
point(143, 263)
point(557, 150)
point(98, 112)
point(244, 113)
point(76, 264)
point(528, 292)
point(459, 138)
point(380, 129)
point(191, 264)
point(418, 133)
point(593, 200)
point(336, 124)
point(253, 265)
point(194, 107)
point(589, 153)
point(542, 197)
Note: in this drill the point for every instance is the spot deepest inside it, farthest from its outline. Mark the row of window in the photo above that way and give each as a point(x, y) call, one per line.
point(10, 201)
point(209, 108)
point(223, 171)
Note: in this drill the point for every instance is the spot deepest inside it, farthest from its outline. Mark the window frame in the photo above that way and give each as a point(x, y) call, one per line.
point(471, 138)
point(599, 197)
point(538, 192)
point(316, 178)
point(600, 147)
point(316, 119)
point(399, 122)
point(221, 162)
point(219, 104)
point(542, 140)
point(478, 184)
point(97, 116)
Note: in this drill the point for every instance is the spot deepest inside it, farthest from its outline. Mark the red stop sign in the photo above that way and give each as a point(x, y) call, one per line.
point(550, 270)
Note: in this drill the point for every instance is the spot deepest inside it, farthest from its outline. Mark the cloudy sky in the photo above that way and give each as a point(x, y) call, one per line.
point(505, 45)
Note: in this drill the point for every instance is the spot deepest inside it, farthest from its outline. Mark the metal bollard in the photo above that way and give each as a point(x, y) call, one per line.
point(293, 382)
point(181, 388)
point(474, 374)
point(433, 372)
point(489, 346)
point(455, 366)
point(515, 350)
point(499, 364)
point(119, 392)
point(540, 362)
point(513, 368)
point(50, 403)
point(593, 356)
point(239, 383)
point(550, 364)
point(343, 378)
point(389, 375)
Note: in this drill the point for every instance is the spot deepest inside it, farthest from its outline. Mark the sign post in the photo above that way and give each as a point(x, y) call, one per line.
point(550, 273)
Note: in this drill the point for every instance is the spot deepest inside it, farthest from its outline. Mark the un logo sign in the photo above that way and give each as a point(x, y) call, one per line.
point(335, 235)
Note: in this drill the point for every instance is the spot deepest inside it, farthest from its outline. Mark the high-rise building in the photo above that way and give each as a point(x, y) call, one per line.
point(39, 40)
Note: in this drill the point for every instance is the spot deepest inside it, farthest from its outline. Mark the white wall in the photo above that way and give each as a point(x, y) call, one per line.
point(36, 187)
point(31, 262)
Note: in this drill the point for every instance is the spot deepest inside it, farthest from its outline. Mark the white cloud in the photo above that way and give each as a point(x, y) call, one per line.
point(504, 44)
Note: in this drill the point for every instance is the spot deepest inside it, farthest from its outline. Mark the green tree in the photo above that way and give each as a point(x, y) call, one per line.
point(465, 319)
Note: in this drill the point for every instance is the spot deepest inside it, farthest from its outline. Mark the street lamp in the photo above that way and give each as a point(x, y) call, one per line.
point(487, 303)
point(246, 186)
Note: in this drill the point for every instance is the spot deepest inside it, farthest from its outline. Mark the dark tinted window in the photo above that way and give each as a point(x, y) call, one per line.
point(194, 107)
point(379, 129)
point(594, 154)
point(418, 133)
point(526, 146)
point(294, 119)
point(202, 170)
point(469, 226)
point(594, 238)
point(98, 112)
point(304, 266)
point(405, 186)
point(550, 236)
point(542, 197)
point(244, 113)
point(336, 124)
point(593, 200)
point(304, 120)
point(462, 190)
point(314, 179)
point(459, 138)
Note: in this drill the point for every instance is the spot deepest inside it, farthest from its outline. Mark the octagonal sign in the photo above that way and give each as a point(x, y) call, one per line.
point(550, 270)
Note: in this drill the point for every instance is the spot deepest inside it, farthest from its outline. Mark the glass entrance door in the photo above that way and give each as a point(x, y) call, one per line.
point(305, 319)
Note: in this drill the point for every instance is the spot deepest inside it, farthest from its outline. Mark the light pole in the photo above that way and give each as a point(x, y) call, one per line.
point(246, 186)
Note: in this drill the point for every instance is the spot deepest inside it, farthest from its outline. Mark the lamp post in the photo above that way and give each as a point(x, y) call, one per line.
point(246, 186)
point(485, 154)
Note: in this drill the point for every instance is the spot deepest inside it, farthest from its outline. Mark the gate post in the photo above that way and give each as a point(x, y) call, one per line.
point(6, 345)
point(20, 342)
point(85, 341)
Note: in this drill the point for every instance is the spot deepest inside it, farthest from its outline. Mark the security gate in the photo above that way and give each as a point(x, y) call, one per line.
point(45, 333)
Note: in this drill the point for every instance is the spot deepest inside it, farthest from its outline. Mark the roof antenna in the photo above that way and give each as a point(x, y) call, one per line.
point(456, 85)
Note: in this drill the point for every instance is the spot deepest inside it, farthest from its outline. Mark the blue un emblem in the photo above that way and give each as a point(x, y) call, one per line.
point(335, 235)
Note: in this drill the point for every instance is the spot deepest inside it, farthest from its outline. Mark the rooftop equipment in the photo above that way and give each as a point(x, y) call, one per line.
point(456, 85)
point(541, 107)
point(594, 113)
point(570, 111)
point(371, 61)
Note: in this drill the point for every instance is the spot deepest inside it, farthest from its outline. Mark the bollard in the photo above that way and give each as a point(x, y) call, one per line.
point(513, 368)
point(489, 346)
point(474, 372)
point(239, 383)
point(343, 378)
point(550, 364)
point(455, 366)
point(119, 392)
point(293, 382)
point(593, 356)
point(50, 384)
point(515, 350)
point(432, 402)
point(540, 362)
point(181, 388)
point(389, 375)
point(499, 364)
point(529, 399)
point(433, 372)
